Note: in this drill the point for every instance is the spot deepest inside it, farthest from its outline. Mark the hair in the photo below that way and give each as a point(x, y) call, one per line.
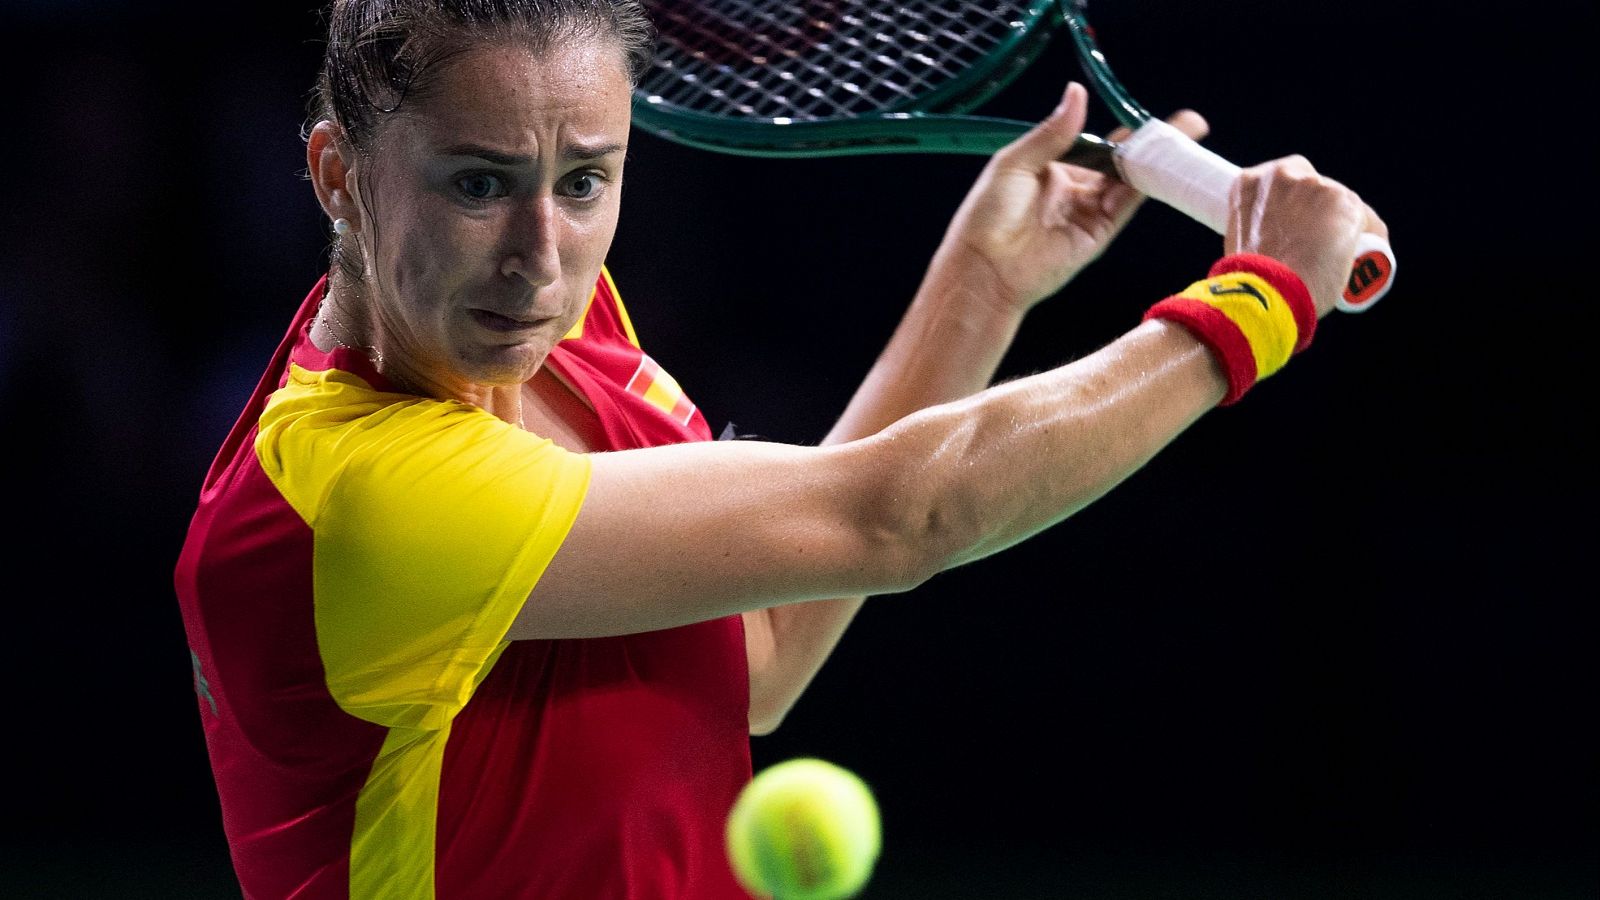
point(381, 52)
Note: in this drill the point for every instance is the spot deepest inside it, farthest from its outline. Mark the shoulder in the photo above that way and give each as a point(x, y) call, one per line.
point(327, 432)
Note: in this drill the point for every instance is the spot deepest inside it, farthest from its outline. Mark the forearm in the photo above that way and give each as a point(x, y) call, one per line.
point(713, 528)
point(947, 346)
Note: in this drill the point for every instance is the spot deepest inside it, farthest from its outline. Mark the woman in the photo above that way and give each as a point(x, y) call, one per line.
point(476, 606)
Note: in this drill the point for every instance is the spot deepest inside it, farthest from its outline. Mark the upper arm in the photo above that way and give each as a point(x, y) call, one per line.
point(688, 532)
point(428, 521)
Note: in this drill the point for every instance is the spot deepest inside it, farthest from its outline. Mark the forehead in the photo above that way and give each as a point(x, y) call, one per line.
point(504, 93)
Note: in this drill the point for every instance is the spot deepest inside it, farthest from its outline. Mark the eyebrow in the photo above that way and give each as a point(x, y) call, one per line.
point(570, 151)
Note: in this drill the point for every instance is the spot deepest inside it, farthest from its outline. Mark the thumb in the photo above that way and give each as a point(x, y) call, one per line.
point(1049, 140)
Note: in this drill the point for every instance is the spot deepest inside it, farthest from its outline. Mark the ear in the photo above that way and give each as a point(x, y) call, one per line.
point(330, 161)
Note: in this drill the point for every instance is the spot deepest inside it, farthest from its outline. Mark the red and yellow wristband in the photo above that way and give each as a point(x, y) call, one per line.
point(1253, 313)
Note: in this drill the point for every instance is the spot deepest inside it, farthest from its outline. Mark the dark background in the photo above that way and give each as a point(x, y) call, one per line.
point(1335, 642)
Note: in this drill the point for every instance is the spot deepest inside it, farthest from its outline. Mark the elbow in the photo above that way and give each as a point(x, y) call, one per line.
point(904, 538)
point(924, 547)
point(923, 516)
point(768, 707)
point(765, 722)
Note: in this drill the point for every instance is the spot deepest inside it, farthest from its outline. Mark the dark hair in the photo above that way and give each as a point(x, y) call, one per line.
point(379, 52)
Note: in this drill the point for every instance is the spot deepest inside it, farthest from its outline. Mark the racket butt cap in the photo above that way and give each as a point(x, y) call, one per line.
point(1370, 277)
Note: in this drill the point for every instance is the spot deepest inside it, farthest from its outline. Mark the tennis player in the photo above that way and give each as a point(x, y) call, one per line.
point(478, 608)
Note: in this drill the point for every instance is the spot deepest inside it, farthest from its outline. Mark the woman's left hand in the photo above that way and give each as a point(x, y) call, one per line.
point(1030, 222)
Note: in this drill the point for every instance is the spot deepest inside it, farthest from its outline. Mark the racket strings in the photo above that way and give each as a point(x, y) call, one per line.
point(802, 77)
point(818, 59)
point(726, 45)
point(724, 62)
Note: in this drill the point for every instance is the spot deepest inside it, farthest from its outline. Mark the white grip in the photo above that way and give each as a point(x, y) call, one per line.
point(1162, 162)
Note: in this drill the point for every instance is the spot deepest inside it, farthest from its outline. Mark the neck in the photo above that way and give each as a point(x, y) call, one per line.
point(344, 320)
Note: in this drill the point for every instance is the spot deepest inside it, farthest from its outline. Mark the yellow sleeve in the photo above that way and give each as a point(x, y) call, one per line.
point(432, 522)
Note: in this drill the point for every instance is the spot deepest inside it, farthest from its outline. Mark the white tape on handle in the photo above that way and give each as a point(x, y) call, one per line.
point(1164, 163)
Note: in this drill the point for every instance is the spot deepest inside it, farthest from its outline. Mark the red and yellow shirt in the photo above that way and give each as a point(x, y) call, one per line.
point(354, 563)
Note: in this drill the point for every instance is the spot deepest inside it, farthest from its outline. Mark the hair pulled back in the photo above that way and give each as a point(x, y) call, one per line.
point(379, 52)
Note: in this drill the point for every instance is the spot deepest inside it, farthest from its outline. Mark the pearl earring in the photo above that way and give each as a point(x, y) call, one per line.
point(341, 227)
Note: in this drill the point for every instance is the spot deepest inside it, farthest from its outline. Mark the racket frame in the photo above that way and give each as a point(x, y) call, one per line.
point(934, 122)
point(1155, 158)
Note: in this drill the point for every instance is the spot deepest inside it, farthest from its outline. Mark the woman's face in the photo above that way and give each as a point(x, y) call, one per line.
point(489, 206)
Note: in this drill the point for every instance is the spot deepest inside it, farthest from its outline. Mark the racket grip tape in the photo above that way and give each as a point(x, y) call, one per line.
point(1162, 162)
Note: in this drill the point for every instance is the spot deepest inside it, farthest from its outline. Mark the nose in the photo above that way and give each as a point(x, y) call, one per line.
point(533, 246)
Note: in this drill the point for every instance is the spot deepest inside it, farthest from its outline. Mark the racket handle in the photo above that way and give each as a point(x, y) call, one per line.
point(1162, 162)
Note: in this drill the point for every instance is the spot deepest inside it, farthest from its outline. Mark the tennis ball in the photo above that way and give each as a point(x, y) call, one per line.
point(804, 829)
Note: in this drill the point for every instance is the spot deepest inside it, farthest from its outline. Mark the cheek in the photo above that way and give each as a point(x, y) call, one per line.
point(429, 250)
point(590, 241)
point(583, 257)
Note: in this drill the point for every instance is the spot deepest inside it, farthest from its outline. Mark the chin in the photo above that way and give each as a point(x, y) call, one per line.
point(508, 366)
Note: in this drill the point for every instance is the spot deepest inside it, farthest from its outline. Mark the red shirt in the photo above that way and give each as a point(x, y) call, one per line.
point(355, 559)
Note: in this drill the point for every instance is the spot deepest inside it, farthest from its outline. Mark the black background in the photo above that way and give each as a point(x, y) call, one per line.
point(1335, 642)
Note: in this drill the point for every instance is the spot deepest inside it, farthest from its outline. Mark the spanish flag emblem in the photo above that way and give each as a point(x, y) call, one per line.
point(656, 387)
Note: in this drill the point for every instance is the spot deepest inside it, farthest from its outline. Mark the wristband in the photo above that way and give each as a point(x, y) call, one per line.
point(1289, 285)
point(1253, 313)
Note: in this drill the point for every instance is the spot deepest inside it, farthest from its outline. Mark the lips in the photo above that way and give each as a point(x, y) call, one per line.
point(494, 321)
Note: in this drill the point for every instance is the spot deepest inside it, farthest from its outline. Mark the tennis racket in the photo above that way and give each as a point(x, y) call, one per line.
point(815, 78)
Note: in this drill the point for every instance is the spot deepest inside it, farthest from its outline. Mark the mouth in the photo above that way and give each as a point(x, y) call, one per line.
point(503, 324)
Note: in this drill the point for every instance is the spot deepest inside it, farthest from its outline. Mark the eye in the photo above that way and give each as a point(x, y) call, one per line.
point(480, 186)
point(585, 185)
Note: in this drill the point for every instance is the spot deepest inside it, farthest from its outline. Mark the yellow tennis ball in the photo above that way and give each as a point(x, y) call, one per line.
point(804, 829)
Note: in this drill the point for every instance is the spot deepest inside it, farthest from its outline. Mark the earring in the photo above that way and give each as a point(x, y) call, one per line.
point(341, 227)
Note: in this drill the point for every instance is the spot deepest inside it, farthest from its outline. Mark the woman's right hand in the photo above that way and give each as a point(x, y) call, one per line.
point(1308, 222)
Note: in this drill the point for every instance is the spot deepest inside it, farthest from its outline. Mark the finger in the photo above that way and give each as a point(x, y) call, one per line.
point(1190, 123)
point(1119, 200)
point(1375, 224)
point(1053, 136)
point(1296, 165)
